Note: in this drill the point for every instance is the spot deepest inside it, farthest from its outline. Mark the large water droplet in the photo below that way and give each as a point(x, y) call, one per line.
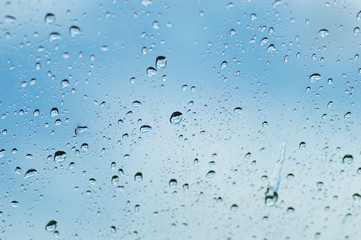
point(30, 173)
point(60, 156)
point(145, 129)
point(347, 159)
point(49, 18)
point(176, 118)
point(315, 77)
point(74, 31)
point(51, 226)
point(161, 62)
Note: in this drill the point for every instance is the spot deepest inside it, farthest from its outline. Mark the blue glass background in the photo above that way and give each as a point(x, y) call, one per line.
point(106, 66)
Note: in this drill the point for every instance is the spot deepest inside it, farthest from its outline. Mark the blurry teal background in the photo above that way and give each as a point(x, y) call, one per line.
point(106, 67)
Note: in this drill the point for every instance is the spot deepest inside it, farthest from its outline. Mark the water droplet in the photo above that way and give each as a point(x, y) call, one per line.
point(113, 230)
point(234, 207)
point(54, 112)
point(80, 129)
point(271, 198)
point(30, 173)
point(347, 115)
point(161, 62)
point(173, 183)
point(176, 118)
point(137, 104)
point(74, 31)
point(15, 204)
point(92, 181)
point(115, 180)
point(323, 33)
point(49, 18)
point(315, 77)
point(253, 16)
point(138, 177)
point(265, 124)
point(151, 71)
point(238, 110)
point(2, 152)
point(60, 156)
point(290, 210)
point(302, 146)
point(347, 159)
point(9, 19)
point(65, 83)
point(211, 174)
point(54, 36)
point(145, 129)
point(358, 15)
point(356, 30)
point(51, 226)
point(223, 65)
point(356, 197)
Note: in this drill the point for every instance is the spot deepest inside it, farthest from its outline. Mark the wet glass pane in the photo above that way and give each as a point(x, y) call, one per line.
point(156, 119)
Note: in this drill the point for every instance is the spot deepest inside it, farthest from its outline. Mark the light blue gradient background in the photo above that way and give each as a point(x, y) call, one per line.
point(266, 87)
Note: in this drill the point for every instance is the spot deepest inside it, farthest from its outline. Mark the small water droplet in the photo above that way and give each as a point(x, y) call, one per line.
point(211, 174)
point(173, 183)
point(290, 210)
point(9, 19)
point(271, 198)
point(115, 180)
point(74, 31)
point(347, 159)
point(223, 65)
point(356, 197)
point(238, 110)
point(265, 124)
point(176, 118)
point(323, 33)
point(161, 62)
point(315, 77)
point(51, 226)
point(80, 129)
point(138, 177)
point(234, 207)
point(302, 146)
point(137, 104)
point(54, 112)
point(151, 71)
point(60, 156)
point(145, 129)
point(30, 173)
point(347, 115)
point(15, 204)
point(49, 18)
point(54, 36)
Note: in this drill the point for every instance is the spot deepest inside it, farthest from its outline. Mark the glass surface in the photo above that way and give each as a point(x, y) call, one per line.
point(180, 119)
